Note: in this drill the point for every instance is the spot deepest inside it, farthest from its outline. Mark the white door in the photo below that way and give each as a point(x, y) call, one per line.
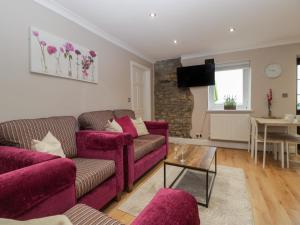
point(141, 91)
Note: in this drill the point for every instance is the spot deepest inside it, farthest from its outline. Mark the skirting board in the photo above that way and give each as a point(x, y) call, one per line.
point(223, 144)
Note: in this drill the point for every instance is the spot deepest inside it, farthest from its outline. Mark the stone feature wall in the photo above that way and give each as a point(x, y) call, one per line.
point(172, 104)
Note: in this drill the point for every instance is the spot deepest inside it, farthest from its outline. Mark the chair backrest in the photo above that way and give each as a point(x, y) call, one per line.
point(24, 131)
point(254, 127)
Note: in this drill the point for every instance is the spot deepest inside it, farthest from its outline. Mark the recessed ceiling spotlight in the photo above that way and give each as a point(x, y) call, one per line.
point(231, 29)
point(175, 42)
point(152, 14)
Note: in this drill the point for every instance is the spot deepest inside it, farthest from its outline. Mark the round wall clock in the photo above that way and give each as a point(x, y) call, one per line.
point(273, 70)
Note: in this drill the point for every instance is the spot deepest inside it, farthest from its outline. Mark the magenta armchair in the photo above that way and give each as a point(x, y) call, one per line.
point(170, 207)
point(34, 184)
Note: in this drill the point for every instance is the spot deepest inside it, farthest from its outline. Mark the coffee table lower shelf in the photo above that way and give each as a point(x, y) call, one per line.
point(208, 185)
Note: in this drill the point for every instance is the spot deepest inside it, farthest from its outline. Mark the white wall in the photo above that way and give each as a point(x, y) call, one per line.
point(259, 58)
point(27, 95)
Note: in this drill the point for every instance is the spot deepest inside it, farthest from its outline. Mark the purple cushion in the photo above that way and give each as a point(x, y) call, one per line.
point(170, 207)
point(127, 126)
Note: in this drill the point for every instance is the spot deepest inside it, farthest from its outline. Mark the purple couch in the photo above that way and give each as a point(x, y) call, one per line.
point(98, 159)
point(34, 184)
point(141, 153)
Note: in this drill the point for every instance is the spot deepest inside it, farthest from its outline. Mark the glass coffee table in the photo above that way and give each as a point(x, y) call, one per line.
point(200, 158)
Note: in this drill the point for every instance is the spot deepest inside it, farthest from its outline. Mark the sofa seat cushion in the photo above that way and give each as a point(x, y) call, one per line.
point(146, 144)
point(90, 173)
point(82, 214)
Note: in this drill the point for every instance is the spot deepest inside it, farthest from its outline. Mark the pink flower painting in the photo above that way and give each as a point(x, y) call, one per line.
point(69, 48)
point(85, 66)
point(78, 53)
point(42, 45)
point(93, 55)
point(55, 56)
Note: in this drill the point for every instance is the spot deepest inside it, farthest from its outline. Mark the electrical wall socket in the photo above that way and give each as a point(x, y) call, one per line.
point(198, 135)
point(285, 95)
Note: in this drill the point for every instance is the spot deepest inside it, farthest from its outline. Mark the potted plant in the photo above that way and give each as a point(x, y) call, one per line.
point(230, 103)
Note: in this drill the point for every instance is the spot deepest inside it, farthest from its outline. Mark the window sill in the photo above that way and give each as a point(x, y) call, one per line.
point(229, 111)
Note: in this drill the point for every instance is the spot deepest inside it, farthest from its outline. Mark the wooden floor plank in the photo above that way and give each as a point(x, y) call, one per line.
point(274, 192)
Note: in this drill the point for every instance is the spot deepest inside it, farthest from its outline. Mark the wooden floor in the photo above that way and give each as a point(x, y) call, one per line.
point(274, 192)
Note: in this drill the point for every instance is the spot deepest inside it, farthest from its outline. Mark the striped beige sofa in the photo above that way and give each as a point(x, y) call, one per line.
point(99, 169)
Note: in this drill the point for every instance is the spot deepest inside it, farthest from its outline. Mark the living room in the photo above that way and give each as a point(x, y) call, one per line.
point(149, 112)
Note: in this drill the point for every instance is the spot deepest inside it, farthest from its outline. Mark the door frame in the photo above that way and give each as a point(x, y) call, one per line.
point(147, 89)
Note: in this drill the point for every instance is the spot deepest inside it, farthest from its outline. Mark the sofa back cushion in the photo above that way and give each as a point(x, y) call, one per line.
point(119, 113)
point(95, 120)
point(127, 126)
point(25, 130)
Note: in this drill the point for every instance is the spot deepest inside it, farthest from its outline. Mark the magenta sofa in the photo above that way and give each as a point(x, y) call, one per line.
point(141, 153)
point(34, 184)
point(98, 158)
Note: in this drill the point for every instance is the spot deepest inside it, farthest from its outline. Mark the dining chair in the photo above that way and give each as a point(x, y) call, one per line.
point(291, 139)
point(273, 138)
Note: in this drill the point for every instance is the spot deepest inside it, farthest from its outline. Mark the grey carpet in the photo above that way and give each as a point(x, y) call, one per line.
point(229, 203)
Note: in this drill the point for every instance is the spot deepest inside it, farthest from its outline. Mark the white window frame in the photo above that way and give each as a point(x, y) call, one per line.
point(246, 86)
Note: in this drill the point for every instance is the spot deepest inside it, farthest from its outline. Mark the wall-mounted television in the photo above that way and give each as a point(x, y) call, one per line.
point(200, 75)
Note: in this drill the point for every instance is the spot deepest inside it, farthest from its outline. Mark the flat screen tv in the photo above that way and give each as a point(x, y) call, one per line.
point(192, 76)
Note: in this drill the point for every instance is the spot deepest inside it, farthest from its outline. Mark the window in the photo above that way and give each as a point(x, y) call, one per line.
point(298, 86)
point(233, 81)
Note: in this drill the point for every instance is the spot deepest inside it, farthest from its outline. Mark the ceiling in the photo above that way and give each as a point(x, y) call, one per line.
point(199, 26)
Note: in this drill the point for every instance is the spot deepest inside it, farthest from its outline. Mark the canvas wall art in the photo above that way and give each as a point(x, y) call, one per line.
point(55, 56)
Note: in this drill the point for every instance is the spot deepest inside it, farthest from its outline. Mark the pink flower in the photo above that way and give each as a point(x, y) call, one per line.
point(35, 33)
point(51, 49)
point(43, 43)
point(77, 52)
point(69, 47)
point(62, 50)
point(85, 73)
point(93, 53)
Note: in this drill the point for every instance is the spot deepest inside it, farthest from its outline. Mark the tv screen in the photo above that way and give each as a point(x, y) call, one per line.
point(192, 76)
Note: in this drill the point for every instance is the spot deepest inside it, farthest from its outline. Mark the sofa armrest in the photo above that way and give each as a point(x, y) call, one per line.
point(156, 125)
point(127, 138)
point(170, 207)
point(100, 145)
point(161, 128)
point(25, 189)
point(100, 141)
point(12, 158)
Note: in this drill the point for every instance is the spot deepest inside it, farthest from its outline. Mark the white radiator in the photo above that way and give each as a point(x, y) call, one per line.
point(229, 127)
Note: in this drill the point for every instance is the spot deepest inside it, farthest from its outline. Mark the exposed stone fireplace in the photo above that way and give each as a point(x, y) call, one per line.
point(172, 104)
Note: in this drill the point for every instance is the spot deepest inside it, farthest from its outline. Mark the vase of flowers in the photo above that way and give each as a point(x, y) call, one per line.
point(269, 99)
point(230, 103)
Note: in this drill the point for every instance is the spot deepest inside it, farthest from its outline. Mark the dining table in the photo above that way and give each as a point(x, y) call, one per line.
point(274, 122)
